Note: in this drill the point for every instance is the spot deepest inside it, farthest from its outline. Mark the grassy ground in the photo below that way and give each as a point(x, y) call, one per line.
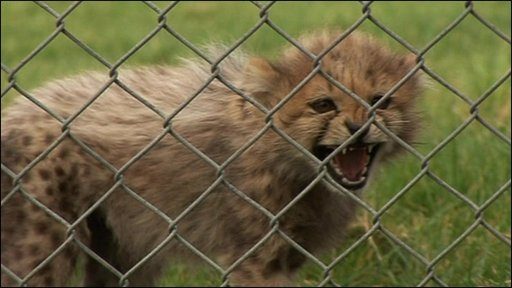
point(428, 217)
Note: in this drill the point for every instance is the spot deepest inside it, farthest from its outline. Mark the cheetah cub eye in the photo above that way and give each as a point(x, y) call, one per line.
point(323, 105)
point(383, 105)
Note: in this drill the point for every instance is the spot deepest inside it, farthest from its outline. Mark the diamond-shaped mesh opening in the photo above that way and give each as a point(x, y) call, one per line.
point(387, 15)
point(381, 257)
point(112, 16)
point(280, 12)
point(448, 184)
point(492, 251)
point(455, 73)
point(218, 15)
point(414, 225)
point(482, 187)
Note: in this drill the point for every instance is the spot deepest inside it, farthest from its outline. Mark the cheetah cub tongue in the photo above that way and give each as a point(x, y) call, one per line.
point(352, 163)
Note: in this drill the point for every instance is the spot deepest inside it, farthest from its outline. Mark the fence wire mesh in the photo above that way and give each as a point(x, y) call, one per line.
point(161, 16)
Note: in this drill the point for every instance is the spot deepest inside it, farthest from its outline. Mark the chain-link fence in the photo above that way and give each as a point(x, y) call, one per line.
point(265, 20)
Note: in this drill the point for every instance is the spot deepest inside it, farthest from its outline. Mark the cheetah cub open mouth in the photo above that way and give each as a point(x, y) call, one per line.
point(350, 167)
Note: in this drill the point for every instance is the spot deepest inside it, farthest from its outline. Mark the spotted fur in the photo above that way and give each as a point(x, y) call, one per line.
point(218, 122)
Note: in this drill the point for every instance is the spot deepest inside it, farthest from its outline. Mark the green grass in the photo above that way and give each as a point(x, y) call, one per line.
point(428, 217)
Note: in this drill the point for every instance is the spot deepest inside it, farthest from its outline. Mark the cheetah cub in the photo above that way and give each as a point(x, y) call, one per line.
point(123, 204)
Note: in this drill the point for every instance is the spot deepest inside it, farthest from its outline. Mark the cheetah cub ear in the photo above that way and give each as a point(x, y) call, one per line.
point(261, 79)
point(418, 81)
